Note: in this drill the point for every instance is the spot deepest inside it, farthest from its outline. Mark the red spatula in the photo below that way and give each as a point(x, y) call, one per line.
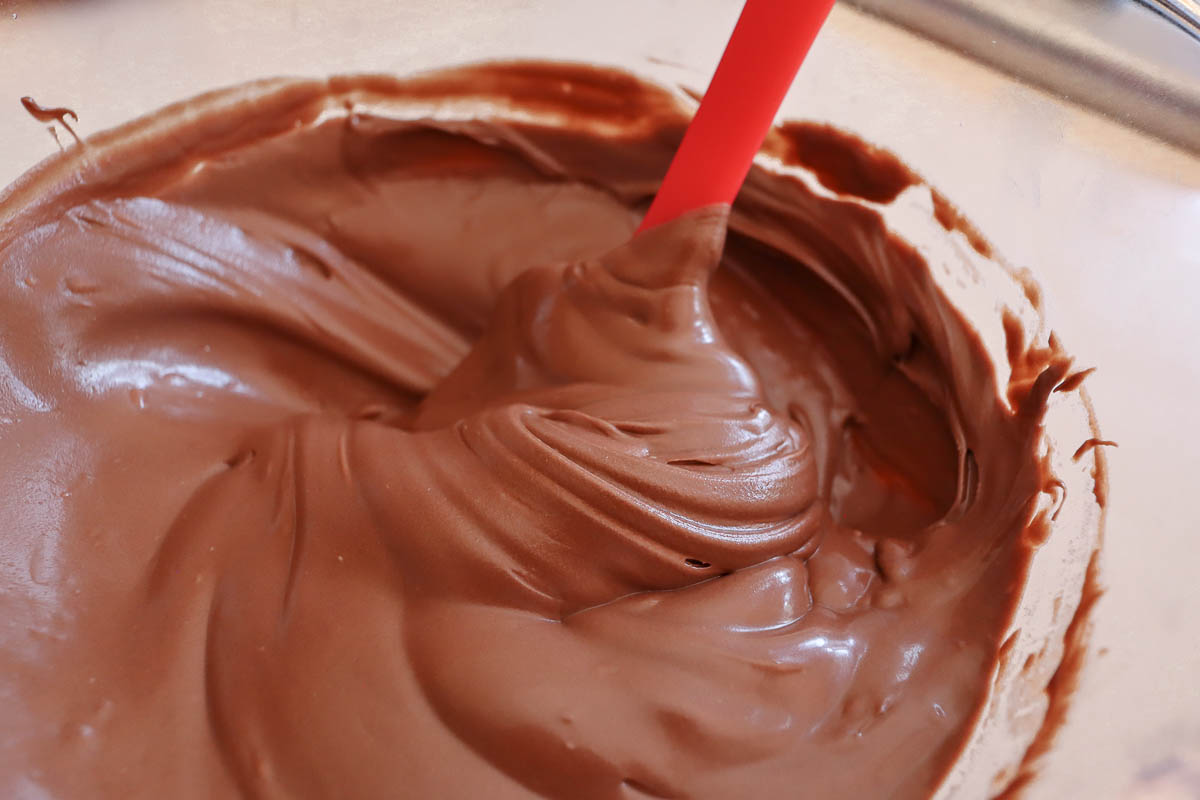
point(771, 39)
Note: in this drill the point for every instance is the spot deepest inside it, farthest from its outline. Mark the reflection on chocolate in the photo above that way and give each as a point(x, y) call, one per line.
point(348, 455)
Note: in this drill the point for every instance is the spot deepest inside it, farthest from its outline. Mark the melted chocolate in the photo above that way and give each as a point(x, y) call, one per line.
point(1063, 683)
point(58, 115)
point(843, 162)
point(42, 114)
point(952, 220)
point(355, 456)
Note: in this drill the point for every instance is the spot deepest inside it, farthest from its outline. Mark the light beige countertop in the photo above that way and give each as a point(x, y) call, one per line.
point(1107, 219)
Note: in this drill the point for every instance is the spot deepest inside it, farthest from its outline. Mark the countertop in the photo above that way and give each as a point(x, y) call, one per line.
point(1108, 220)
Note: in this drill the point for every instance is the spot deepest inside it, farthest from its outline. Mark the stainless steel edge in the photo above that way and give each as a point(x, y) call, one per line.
point(1184, 13)
point(1114, 56)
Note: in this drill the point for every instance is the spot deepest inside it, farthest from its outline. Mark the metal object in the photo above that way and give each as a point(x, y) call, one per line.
point(1117, 57)
point(1184, 13)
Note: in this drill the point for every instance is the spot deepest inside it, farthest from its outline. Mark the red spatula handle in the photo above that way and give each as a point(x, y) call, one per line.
point(771, 39)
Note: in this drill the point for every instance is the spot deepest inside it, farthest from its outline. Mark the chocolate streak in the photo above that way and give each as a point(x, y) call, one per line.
point(42, 114)
point(345, 455)
point(59, 115)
